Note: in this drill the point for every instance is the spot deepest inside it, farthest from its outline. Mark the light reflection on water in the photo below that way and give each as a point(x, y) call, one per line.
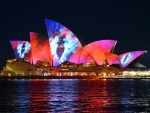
point(104, 95)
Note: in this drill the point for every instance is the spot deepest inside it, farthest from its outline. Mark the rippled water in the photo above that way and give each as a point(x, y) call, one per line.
point(104, 95)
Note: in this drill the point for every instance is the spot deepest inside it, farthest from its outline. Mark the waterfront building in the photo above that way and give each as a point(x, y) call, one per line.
point(61, 53)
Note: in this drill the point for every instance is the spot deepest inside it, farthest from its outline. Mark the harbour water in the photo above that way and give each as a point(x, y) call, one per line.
point(75, 96)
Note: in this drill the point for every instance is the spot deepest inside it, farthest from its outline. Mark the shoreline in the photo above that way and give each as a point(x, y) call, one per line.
point(72, 77)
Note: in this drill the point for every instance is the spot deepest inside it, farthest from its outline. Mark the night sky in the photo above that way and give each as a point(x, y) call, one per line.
point(128, 22)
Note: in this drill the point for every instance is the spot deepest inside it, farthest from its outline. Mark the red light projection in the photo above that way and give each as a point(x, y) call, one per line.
point(40, 48)
point(127, 58)
point(74, 58)
point(97, 55)
point(112, 58)
point(95, 52)
point(85, 57)
point(22, 49)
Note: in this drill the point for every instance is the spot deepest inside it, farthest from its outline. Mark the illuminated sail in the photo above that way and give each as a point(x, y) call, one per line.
point(22, 49)
point(63, 42)
point(127, 58)
point(40, 48)
point(112, 58)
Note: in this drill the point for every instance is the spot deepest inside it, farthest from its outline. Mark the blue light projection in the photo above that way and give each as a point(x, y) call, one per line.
point(23, 48)
point(125, 59)
point(63, 42)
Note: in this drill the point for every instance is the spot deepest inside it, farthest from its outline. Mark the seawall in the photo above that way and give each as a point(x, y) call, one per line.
point(72, 77)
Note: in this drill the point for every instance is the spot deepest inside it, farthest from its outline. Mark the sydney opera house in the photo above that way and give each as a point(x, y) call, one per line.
point(61, 53)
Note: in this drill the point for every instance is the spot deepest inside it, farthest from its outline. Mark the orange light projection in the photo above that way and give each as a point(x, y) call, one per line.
point(40, 48)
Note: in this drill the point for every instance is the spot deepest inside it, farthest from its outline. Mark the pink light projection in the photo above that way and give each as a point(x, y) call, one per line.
point(95, 52)
point(22, 49)
point(74, 58)
point(112, 58)
point(104, 45)
point(96, 55)
point(40, 48)
point(85, 57)
point(127, 58)
point(62, 41)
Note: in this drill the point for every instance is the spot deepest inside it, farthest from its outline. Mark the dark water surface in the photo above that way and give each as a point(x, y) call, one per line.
point(75, 96)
